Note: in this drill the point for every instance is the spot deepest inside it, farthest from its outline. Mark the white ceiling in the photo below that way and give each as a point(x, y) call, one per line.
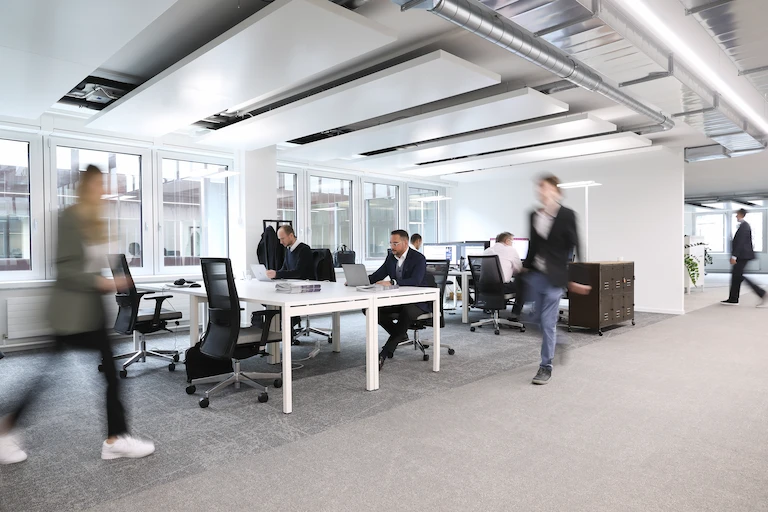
point(47, 47)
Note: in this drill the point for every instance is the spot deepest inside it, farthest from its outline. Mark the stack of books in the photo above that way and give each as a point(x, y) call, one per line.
point(297, 287)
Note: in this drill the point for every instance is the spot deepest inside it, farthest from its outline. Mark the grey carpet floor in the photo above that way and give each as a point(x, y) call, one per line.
point(66, 426)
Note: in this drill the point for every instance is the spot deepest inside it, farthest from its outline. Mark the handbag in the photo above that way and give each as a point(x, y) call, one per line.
point(343, 256)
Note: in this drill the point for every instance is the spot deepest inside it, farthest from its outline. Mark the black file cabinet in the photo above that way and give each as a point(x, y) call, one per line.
point(612, 299)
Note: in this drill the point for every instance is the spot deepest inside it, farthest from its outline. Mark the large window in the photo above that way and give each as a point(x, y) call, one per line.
point(286, 196)
point(194, 212)
point(381, 207)
point(15, 225)
point(755, 220)
point(423, 213)
point(330, 212)
point(712, 227)
point(123, 194)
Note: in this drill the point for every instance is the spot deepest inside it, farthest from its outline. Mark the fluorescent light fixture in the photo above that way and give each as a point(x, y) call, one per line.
point(642, 12)
point(579, 184)
point(559, 150)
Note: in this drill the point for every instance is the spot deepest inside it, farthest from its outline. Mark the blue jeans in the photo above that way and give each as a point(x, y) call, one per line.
point(546, 311)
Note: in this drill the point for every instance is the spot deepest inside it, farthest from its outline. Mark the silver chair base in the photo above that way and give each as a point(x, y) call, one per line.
point(141, 355)
point(235, 378)
point(423, 346)
point(497, 323)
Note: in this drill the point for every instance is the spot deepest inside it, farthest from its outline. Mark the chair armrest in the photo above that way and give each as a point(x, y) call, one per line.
point(159, 299)
point(268, 315)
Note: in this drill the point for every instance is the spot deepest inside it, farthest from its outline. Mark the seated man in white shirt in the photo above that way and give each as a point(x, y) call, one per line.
point(511, 265)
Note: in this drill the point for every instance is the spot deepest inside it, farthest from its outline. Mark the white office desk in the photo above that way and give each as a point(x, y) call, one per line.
point(464, 275)
point(334, 298)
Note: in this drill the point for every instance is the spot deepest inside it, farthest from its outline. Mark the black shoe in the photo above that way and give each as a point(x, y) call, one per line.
point(514, 318)
point(729, 302)
point(542, 376)
point(382, 357)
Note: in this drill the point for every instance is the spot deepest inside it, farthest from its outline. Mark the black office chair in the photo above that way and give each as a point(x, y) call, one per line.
point(489, 292)
point(225, 339)
point(131, 317)
point(437, 276)
point(323, 260)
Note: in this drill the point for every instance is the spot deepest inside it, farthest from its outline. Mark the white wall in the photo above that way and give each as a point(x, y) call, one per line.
point(637, 214)
point(745, 174)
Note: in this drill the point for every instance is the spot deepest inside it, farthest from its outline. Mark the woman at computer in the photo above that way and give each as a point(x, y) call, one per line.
point(77, 317)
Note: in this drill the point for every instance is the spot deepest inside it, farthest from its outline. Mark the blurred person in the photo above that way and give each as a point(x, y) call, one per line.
point(511, 266)
point(404, 267)
point(742, 252)
point(77, 317)
point(553, 238)
point(299, 262)
point(416, 241)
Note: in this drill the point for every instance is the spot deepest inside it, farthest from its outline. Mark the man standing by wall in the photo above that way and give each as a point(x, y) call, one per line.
point(742, 252)
point(553, 237)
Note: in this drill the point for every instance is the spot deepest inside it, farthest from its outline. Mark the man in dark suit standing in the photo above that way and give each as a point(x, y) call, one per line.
point(404, 267)
point(553, 238)
point(742, 253)
point(299, 262)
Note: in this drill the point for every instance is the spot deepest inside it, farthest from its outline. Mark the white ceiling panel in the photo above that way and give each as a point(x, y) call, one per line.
point(285, 43)
point(510, 107)
point(428, 78)
point(528, 134)
point(587, 146)
point(47, 47)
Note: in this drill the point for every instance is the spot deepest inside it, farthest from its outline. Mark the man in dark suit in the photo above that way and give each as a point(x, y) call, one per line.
point(742, 253)
point(553, 238)
point(299, 262)
point(404, 267)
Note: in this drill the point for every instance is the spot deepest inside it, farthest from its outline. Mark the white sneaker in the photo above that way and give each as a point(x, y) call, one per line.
point(128, 447)
point(10, 451)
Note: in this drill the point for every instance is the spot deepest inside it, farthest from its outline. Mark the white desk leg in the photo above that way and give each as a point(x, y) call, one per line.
point(194, 320)
point(372, 347)
point(336, 328)
point(436, 337)
point(464, 299)
point(287, 369)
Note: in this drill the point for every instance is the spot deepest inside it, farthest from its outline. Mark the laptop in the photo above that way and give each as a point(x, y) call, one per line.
point(260, 272)
point(355, 274)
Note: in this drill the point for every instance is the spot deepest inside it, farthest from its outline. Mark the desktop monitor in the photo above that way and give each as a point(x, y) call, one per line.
point(440, 252)
point(473, 250)
point(521, 246)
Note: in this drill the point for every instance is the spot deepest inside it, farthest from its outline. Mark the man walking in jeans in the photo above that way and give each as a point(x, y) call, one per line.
point(742, 252)
point(553, 238)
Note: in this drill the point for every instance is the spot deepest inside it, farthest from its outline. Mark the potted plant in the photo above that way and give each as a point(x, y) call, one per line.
point(692, 263)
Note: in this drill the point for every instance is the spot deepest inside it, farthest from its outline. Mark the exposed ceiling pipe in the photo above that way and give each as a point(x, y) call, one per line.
point(488, 24)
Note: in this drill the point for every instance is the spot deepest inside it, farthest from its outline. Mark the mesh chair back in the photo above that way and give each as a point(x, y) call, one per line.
point(437, 276)
point(223, 328)
point(323, 260)
point(489, 282)
point(128, 299)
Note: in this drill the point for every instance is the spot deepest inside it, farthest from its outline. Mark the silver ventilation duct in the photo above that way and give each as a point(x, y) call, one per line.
point(487, 23)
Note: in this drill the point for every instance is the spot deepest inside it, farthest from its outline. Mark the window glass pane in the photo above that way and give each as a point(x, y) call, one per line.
point(286, 197)
point(712, 227)
point(423, 214)
point(122, 193)
point(195, 220)
point(380, 218)
point(755, 220)
point(15, 234)
point(330, 212)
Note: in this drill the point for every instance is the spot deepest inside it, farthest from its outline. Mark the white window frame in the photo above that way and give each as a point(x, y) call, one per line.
point(159, 155)
point(726, 228)
point(431, 188)
point(306, 200)
point(364, 214)
point(298, 174)
point(147, 196)
point(37, 209)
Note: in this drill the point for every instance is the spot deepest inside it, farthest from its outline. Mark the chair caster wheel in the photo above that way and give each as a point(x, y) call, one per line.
point(263, 397)
point(570, 330)
point(599, 333)
point(330, 340)
point(451, 351)
point(123, 374)
point(172, 367)
point(390, 355)
point(176, 358)
point(522, 329)
point(191, 390)
point(633, 322)
point(278, 383)
point(426, 357)
point(295, 342)
point(471, 329)
point(496, 332)
point(204, 403)
point(101, 368)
